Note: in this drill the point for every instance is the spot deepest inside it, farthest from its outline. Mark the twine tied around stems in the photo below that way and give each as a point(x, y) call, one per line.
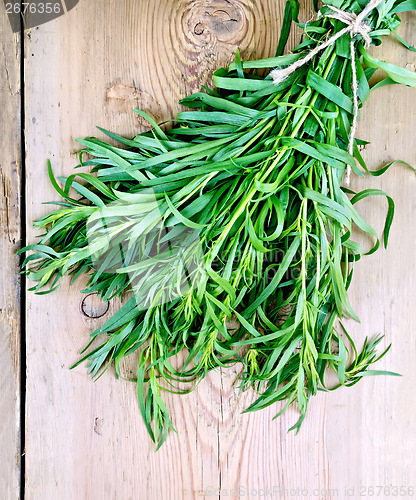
point(355, 25)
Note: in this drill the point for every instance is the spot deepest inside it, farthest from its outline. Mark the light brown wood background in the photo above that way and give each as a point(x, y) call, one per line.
point(10, 234)
point(86, 441)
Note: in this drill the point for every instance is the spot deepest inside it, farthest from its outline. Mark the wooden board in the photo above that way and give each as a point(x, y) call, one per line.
point(10, 321)
point(85, 440)
point(376, 417)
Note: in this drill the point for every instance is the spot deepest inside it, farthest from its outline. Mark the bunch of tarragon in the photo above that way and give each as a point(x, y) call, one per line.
point(236, 215)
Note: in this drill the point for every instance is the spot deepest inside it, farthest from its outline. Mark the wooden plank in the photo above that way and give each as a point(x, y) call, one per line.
point(377, 415)
point(85, 440)
point(10, 180)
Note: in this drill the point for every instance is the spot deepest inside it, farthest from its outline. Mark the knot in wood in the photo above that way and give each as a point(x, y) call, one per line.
point(223, 20)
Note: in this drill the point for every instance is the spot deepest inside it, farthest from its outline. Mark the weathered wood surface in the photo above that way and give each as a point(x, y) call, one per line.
point(10, 181)
point(85, 440)
point(374, 420)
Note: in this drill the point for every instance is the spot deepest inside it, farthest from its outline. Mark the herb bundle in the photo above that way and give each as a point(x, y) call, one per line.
point(234, 216)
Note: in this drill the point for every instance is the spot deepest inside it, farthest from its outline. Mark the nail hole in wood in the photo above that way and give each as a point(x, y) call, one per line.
point(199, 29)
point(93, 307)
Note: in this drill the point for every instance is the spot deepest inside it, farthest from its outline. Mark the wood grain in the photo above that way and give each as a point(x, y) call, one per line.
point(378, 414)
point(85, 440)
point(10, 181)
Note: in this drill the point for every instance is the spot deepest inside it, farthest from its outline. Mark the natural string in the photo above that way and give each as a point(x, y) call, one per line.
point(355, 26)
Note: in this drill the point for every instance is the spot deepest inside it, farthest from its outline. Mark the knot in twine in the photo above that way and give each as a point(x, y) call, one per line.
point(355, 22)
point(355, 25)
